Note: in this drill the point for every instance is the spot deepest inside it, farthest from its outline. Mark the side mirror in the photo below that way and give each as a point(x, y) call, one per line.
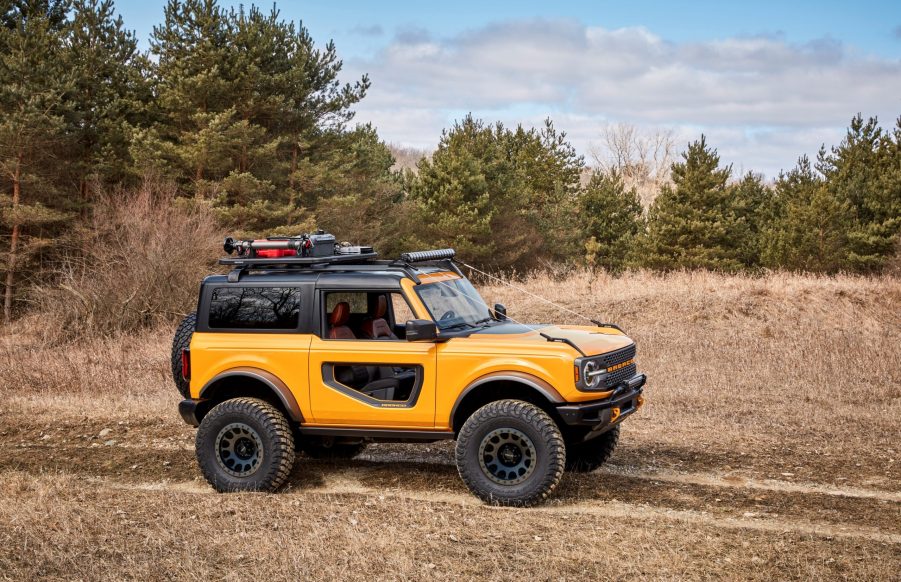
point(500, 312)
point(420, 330)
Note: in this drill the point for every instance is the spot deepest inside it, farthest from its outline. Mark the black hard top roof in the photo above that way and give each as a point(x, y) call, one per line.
point(335, 278)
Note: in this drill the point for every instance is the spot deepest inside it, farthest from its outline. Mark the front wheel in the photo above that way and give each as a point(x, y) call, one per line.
point(510, 452)
point(245, 444)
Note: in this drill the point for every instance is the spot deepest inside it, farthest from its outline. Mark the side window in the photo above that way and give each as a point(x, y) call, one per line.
point(369, 316)
point(255, 308)
point(402, 311)
point(356, 301)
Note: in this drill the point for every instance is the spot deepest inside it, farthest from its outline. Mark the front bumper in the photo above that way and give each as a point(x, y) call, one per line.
point(601, 415)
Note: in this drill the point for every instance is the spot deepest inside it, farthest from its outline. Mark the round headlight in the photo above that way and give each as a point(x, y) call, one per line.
point(591, 374)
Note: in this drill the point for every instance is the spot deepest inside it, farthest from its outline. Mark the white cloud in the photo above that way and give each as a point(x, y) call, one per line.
point(762, 100)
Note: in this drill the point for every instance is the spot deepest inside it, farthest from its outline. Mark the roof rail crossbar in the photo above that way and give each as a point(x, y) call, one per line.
point(351, 262)
point(235, 274)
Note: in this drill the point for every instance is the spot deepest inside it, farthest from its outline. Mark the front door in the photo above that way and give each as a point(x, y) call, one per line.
point(365, 381)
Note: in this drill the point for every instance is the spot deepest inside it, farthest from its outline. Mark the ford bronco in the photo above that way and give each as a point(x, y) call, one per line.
point(321, 348)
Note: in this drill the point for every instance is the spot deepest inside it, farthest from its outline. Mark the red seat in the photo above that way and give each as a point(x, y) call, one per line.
point(337, 321)
point(376, 327)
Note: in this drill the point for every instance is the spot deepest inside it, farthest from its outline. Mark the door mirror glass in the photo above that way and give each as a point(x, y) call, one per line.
point(500, 312)
point(419, 330)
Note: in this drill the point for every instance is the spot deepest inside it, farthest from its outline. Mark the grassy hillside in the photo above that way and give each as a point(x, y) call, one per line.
point(768, 448)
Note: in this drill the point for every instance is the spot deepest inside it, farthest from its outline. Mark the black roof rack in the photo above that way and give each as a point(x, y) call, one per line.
point(336, 263)
point(319, 252)
point(300, 262)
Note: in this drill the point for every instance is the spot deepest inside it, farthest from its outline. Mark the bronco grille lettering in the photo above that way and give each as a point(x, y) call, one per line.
point(620, 366)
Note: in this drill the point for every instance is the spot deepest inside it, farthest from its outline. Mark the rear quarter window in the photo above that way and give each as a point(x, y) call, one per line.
point(255, 308)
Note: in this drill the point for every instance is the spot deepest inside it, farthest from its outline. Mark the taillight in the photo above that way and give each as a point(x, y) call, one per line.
point(186, 364)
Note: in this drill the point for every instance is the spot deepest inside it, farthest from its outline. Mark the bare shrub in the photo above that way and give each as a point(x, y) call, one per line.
point(643, 157)
point(406, 158)
point(141, 260)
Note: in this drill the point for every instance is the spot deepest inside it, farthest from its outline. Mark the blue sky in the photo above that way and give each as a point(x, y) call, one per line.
point(766, 81)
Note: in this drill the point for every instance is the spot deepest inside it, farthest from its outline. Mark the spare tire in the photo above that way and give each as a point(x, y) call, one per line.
point(182, 341)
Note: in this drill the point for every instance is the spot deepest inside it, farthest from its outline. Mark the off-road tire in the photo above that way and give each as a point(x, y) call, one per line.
point(587, 456)
point(327, 449)
point(182, 341)
point(276, 442)
point(526, 420)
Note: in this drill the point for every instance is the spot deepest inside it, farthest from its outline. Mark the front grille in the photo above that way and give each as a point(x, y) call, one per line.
point(621, 375)
point(618, 357)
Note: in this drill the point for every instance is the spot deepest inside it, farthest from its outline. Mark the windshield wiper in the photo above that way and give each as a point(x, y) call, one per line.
point(484, 320)
point(455, 325)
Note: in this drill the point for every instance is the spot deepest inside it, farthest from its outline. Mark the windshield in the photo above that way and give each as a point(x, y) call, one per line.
point(454, 303)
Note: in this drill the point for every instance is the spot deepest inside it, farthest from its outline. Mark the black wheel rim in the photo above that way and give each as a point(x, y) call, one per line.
point(507, 456)
point(239, 450)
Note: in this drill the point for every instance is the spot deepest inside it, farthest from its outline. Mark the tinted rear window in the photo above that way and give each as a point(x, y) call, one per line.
point(255, 308)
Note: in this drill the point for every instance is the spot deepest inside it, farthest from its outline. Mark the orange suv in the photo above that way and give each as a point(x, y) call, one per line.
point(325, 350)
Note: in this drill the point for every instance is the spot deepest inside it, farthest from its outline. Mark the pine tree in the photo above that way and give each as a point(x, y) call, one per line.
point(193, 85)
point(109, 95)
point(811, 228)
point(252, 115)
point(753, 204)
point(367, 205)
point(316, 108)
point(550, 171)
point(863, 172)
point(33, 82)
point(501, 197)
point(611, 218)
point(453, 190)
point(692, 224)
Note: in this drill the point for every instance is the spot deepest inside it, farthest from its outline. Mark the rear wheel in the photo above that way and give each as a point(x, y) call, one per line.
point(510, 452)
point(329, 449)
point(589, 455)
point(182, 341)
point(245, 444)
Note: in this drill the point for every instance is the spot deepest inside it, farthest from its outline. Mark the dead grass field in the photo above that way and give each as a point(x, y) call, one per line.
point(770, 448)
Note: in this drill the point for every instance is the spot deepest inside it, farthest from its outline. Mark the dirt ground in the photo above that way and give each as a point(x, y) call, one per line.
point(770, 448)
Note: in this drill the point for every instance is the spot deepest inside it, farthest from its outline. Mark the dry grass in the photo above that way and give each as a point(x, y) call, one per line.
point(797, 370)
point(769, 448)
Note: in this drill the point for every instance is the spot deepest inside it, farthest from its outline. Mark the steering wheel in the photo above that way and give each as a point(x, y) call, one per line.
point(448, 315)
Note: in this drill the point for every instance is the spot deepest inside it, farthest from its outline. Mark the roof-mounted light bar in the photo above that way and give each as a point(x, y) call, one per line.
point(422, 256)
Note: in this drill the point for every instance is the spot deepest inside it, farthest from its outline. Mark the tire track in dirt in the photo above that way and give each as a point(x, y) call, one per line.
point(739, 482)
point(350, 483)
point(661, 461)
point(731, 481)
point(728, 496)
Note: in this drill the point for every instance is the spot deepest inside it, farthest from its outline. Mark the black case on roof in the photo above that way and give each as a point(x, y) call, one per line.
point(323, 244)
